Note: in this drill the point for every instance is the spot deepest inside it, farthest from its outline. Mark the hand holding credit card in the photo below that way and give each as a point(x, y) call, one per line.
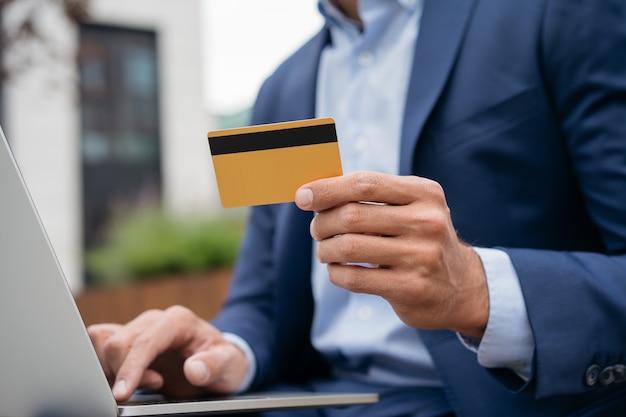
point(265, 164)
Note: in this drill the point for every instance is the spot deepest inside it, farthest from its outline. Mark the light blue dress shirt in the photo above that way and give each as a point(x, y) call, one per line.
point(362, 83)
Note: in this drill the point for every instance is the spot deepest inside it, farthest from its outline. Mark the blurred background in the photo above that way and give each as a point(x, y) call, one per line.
point(106, 105)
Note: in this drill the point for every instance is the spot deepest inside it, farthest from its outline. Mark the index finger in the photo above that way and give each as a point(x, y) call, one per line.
point(143, 351)
point(361, 186)
point(99, 334)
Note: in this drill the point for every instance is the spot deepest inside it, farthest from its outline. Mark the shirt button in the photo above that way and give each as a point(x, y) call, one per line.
point(366, 58)
point(360, 144)
point(364, 313)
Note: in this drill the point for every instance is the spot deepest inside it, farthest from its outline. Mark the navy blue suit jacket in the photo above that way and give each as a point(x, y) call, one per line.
point(518, 109)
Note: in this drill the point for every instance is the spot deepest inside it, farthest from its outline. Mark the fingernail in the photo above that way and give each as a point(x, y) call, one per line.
point(119, 389)
point(200, 369)
point(304, 197)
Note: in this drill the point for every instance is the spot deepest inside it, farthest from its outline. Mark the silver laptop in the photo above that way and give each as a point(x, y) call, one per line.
point(48, 366)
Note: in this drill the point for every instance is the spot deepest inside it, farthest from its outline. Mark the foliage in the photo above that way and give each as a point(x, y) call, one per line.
point(148, 243)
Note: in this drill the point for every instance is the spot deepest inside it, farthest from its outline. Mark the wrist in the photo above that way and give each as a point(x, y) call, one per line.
point(475, 313)
point(249, 361)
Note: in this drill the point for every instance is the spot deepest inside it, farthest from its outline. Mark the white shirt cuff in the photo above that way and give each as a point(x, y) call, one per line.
point(508, 341)
point(243, 345)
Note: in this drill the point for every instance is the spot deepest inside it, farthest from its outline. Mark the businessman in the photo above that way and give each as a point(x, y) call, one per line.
point(488, 277)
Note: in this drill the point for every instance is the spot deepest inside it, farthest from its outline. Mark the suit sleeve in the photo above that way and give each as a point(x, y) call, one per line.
point(249, 309)
point(576, 301)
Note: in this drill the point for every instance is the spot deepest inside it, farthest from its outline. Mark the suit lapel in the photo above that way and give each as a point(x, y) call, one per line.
point(302, 83)
point(442, 28)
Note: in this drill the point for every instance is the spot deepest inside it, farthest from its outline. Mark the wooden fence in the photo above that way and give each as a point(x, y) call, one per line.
point(203, 293)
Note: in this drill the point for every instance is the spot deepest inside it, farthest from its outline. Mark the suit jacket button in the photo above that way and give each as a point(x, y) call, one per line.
point(592, 375)
point(619, 371)
point(607, 376)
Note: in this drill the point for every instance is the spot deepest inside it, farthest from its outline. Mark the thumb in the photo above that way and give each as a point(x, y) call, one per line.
point(221, 368)
point(197, 370)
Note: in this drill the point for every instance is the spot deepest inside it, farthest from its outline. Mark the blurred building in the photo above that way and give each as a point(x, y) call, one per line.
point(116, 118)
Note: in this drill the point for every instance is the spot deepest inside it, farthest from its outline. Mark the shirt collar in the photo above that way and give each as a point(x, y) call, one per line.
point(334, 16)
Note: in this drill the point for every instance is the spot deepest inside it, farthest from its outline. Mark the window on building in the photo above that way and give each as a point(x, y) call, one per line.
point(120, 138)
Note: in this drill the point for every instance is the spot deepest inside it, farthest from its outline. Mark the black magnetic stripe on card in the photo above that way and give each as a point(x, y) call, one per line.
point(273, 139)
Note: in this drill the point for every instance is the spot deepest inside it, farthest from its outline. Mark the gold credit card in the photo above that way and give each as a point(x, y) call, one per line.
point(265, 164)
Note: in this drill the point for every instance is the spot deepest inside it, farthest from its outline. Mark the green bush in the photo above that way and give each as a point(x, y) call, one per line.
point(148, 243)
